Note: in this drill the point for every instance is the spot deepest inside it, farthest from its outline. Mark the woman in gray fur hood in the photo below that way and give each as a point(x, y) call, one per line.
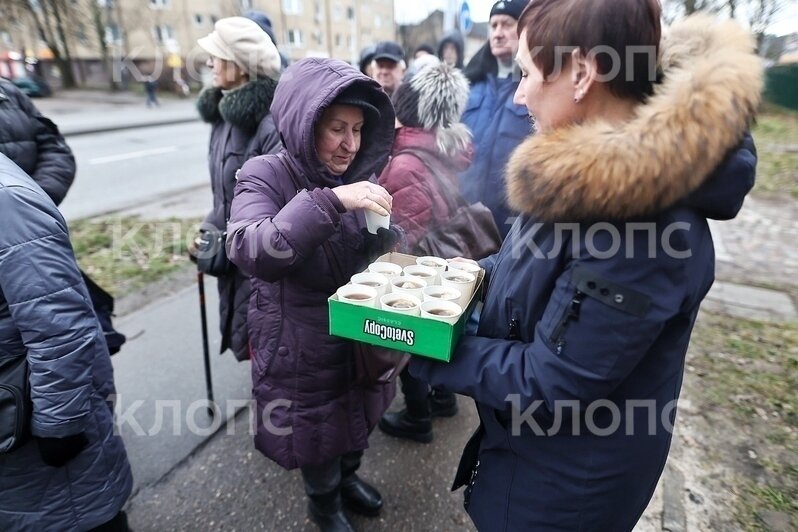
point(245, 67)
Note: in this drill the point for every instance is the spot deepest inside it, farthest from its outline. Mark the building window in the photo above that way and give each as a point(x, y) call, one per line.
point(350, 41)
point(199, 20)
point(350, 13)
point(112, 34)
point(160, 4)
point(377, 21)
point(164, 33)
point(295, 37)
point(292, 7)
point(246, 4)
point(337, 12)
point(214, 19)
point(337, 39)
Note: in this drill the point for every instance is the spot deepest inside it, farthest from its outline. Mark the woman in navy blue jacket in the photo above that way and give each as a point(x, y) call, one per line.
point(578, 359)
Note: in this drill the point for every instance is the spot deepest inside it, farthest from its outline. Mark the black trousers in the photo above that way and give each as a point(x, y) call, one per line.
point(327, 477)
point(416, 394)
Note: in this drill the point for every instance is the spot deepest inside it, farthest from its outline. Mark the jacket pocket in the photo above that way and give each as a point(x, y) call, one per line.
point(589, 285)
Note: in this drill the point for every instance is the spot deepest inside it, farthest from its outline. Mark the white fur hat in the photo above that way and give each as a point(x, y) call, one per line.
point(243, 42)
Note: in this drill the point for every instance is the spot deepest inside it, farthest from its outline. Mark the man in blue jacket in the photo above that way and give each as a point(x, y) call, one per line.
point(497, 123)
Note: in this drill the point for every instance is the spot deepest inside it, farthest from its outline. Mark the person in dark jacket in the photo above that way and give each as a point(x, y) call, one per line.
point(290, 210)
point(451, 49)
point(246, 66)
point(34, 143)
point(73, 473)
point(428, 110)
point(499, 125)
point(578, 359)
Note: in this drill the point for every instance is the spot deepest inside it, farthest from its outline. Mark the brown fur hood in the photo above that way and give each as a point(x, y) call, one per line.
point(592, 171)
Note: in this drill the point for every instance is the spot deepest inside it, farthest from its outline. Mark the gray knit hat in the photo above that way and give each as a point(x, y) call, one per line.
point(435, 97)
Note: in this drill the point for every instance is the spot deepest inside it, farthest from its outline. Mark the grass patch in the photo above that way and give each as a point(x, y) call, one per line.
point(749, 375)
point(777, 170)
point(122, 254)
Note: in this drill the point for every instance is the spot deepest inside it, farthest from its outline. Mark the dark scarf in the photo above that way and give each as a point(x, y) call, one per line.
point(243, 107)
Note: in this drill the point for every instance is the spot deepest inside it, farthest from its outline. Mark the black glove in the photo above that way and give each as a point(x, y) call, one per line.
point(384, 241)
point(57, 452)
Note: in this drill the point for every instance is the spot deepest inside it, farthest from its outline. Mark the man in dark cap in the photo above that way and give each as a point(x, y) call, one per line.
point(389, 65)
point(497, 123)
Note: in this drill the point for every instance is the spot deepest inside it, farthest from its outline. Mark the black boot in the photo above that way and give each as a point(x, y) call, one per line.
point(360, 497)
point(442, 404)
point(403, 425)
point(327, 512)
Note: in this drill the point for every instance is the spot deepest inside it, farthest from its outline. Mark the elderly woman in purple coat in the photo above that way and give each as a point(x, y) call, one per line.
point(297, 219)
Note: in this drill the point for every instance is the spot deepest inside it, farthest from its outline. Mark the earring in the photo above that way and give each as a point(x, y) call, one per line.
point(579, 96)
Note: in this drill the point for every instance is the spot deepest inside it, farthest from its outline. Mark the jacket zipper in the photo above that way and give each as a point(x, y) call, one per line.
point(571, 314)
point(19, 426)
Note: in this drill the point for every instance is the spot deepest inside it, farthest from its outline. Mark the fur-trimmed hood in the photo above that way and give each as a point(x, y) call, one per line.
point(244, 107)
point(701, 110)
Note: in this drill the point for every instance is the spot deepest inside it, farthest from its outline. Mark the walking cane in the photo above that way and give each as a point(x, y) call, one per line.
point(205, 350)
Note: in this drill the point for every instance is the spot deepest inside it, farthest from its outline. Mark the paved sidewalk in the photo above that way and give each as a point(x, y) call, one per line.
point(86, 112)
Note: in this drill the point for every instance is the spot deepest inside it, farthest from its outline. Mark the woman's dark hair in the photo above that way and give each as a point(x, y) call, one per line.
point(623, 35)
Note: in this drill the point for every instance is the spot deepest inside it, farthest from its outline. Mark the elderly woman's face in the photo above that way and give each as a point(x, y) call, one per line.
point(226, 74)
point(338, 137)
point(549, 102)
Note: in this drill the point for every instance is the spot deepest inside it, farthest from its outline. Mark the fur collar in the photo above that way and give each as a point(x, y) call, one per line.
point(597, 171)
point(243, 107)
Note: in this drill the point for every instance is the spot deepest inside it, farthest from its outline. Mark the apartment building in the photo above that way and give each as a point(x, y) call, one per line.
point(149, 32)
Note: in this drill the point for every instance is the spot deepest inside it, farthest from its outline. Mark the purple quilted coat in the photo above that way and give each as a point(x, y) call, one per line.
point(308, 408)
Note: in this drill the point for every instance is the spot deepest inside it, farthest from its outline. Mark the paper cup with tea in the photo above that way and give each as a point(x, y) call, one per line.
point(377, 281)
point(463, 281)
point(388, 269)
point(437, 263)
point(441, 310)
point(428, 274)
point(470, 267)
point(357, 294)
point(375, 221)
point(406, 284)
point(401, 303)
point(440, 292)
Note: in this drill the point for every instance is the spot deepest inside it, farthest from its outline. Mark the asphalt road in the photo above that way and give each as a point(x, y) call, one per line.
point(121, 169)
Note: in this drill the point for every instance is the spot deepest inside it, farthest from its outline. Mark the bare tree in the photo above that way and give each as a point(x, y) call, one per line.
point(50, 18)
point(761, 14)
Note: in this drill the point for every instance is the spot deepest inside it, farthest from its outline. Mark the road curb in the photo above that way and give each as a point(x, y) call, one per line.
point(674, 516)
point(93, 130)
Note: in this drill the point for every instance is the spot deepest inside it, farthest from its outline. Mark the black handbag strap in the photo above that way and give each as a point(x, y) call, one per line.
point(454, 200)
point(338, 273)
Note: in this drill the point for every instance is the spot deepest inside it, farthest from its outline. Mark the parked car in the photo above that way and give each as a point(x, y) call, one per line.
point(34, 87)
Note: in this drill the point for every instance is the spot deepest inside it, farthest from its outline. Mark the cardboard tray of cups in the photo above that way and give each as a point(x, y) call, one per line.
point(364, 319)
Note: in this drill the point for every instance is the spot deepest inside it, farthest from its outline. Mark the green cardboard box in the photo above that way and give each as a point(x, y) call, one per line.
point(410, 334)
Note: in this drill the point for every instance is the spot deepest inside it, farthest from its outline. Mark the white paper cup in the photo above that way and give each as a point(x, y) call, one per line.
point(428, 274)
point(388, 269)
point(441, 293)
point(432, 309)
point(397, 288)
point(463, 281)
point(470, 267)
point(374, 221)
point(439, 263)
point(346, 293)
point(388, 299)
point(377, 281)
